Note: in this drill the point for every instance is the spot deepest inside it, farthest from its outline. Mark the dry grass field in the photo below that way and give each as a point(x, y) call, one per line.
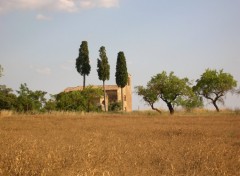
point(115, 144)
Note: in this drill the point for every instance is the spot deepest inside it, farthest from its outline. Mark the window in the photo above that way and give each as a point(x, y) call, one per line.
point(125, 98)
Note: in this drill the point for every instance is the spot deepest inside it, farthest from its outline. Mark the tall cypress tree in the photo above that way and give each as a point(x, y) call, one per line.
point(103, 70)
point(82, 62)
point(121, 73)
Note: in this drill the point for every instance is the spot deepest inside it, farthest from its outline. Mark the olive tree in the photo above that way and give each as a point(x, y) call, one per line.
point(168, 88)
point(213, 85)
point(149, 95)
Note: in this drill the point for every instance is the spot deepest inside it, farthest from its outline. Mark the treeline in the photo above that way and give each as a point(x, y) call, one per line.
point(27, 100)
point(212, 85)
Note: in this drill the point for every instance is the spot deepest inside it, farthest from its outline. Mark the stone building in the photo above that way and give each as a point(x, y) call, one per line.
point(113, 94)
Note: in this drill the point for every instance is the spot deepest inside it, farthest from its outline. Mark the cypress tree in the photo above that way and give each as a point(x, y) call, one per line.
point(121, 73)
point(82, 62)
point(103, 70)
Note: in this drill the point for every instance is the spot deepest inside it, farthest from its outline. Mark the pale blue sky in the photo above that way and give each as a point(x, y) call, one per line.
point(39, 40)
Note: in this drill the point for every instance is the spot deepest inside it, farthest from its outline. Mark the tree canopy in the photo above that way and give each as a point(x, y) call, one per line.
point(170, 89)
point(213, 85)
point(7, 98)
point(84, 100)
point(121, 74)
point(82, 62)
point(149, 95)
point(103, 69)
point(29, 100)
point(121, 70)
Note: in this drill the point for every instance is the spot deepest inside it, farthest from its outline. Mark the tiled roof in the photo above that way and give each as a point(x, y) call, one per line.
point(107, 87)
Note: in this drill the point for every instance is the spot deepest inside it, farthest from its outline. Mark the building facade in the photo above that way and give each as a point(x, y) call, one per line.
point(113, 94)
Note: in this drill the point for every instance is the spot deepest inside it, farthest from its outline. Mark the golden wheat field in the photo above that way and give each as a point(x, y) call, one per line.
point(116, 144)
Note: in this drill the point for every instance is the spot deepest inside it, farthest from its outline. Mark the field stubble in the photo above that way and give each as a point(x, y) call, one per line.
point(119, 145)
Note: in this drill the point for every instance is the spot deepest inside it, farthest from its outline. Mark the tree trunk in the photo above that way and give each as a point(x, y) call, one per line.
point(156, 109)
point(104, 90)
point(215, 105)
point(122, 99)
point(170, 107)
point(84, 81)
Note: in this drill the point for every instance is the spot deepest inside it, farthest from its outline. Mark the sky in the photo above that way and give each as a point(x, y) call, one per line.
point(40, 39)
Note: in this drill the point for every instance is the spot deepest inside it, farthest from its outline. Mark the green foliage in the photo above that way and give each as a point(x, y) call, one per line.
point(213, 85)
point(34, 101)
point(82, 62)
point(92, 96)
point(102, 65)
point(69, 101)
point(85, 100)
point(103, 70)
point(50, 104)
point(149, 95)
point(115, 106)
point(29, 100)
point(190, 102)
point(7, 98)
point(121, 74)
point(121, 71)
point(170, 88)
